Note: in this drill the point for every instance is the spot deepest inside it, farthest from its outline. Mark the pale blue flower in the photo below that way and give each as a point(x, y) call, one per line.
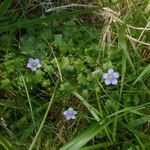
point(34, 64)
point(111, 77)
point(70, 114)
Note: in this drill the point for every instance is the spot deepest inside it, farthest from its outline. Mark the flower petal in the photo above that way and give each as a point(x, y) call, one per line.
point(70, 113)
point(65, 112)
point(116, 75)
point(31, 60)
point(29, 65)
point(70, 109)
point(36, 60)
point(73, 117)
point(105, 75)
point(110, 71)
point(68, 117)
point(33, 68)
point(107, 82)
point(39, 65)
point(115, 82)
point(74, 112)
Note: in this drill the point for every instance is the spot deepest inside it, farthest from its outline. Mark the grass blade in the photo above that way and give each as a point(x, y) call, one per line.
point(38, 21)
point(97, 146)
point(123, 45)
point(4, 6)
point(4, 143)
point(82, 139)
point(87, 135)
point(143, 73)
point(88, 106)
point(43, 121)
point(29, 100)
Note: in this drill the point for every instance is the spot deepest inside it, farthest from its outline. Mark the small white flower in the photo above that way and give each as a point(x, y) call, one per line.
point(111, 77)
point(34, 64)
point(70, 114)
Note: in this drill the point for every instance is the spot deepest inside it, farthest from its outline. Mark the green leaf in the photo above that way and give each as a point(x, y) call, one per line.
point(78, 64)
point(5, 41)
point(107, 65)
point(64, 62)
point(5, 83)
point(82, 79)
point(58, 40)
point(34, 47)
point(66, 87)
point(140, 121)
point(28, 46)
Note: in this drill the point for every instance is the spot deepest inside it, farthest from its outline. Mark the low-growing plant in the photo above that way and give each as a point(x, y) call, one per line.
point(68, 84)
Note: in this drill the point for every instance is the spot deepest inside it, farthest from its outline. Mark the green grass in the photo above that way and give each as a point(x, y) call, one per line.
point(76, 46)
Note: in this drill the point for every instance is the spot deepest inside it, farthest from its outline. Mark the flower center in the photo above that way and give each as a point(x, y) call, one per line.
point(34, 64)
point(70, 113)
point(110, 76)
